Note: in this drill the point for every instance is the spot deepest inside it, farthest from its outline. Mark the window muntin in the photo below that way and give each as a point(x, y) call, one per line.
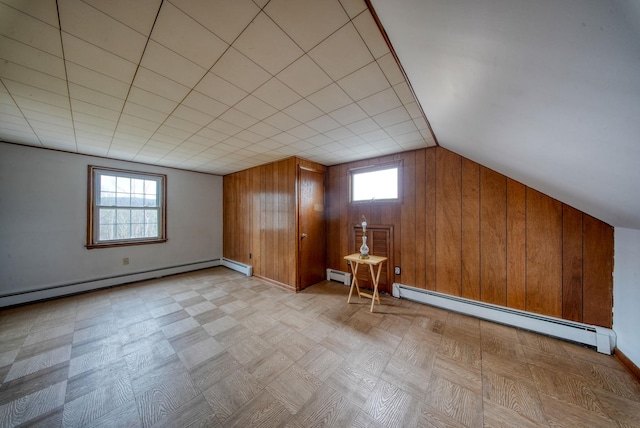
point(378, 183)
point(126, 207)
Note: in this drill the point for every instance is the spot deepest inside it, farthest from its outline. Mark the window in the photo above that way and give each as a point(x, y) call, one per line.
point(378, 183)
point(125, 208)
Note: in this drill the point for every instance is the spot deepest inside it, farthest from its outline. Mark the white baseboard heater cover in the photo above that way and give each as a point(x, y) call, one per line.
point(338, 275)
point(237, 266)
point(603, 339)
point(59, 290)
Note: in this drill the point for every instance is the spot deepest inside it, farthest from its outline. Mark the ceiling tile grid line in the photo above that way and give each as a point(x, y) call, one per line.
point(213, 83)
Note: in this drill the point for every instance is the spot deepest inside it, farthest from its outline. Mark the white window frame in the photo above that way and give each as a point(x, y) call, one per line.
point(95, 204)
point(373, 168)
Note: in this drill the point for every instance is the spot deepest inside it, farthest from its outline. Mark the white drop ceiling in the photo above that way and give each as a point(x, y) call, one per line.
point(214, 86)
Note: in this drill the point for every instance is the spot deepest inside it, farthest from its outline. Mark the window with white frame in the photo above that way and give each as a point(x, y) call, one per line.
point(125, 207)
point(375, 184)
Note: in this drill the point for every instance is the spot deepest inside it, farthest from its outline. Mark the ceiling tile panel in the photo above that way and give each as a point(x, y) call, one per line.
point(264, 129)
point(147, 126)
point(150, 100)
point(83, 107)
point(371, 35)
point(285, 138)
point(37, 79)
point(404, 93)
point(330, 98)
point(139, 14)
point(240, 70)
point(401, 128)
point(364, 82)
point(282, 121)
point(391, 117)
point(339, 133)
point(323, 123)
point(362, 126)
point(267, 45)
point(171, 65)
point(276, 94)
point(255, 107)
point(90, 56)
point(160, 85)
point(353, 7)
point(203, 104)
point(44, 10)
point(238, 118)
point(181, 33)
point(29, 92)
point(380, 102)
point(219, 89)
point(99, 82)
point(90, 96)
point(144, 112)
point(95, 27)
point(303, 111)
point(349, 114)
point(192, 115)
point(342, 53)
point(183, 125)
point(249, 136)
point(19, 53)
point(302, 132)
point(304, 76)
point(308, 22)
point(19, 26)
point(224, 127)
point(390, 68)
point(227, 19)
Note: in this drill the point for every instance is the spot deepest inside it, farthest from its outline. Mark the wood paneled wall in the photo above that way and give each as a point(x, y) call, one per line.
point(260, 219)
point(465, 230)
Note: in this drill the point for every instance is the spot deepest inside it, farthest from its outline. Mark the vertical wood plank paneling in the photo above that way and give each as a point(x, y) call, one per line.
point(598, 268)
point(571, 264)
point(421, 226)
point(332, 210)
point(408, 222)
point(448, 222)
point(255, 178)
point(544, 254)
point(493, 237)
point(516, 244)
point(430, 219)
point(470, 230)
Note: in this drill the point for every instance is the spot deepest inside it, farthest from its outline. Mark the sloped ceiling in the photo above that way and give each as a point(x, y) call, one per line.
point(207, 85)
point(546, 92)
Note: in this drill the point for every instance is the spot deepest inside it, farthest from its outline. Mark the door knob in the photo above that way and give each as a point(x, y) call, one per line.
point(304, 235)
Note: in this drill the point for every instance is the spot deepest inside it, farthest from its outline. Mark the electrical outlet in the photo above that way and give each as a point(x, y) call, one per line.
point(396, 270)
point(125, 261)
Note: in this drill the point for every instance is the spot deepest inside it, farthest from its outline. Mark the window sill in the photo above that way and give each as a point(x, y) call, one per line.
point(124, 244)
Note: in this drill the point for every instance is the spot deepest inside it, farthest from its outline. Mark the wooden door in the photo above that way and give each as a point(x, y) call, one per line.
point(311, 228)
point(379, 241)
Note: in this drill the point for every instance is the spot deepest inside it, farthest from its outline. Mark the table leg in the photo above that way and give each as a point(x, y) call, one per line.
point(354, 280)
point(375, 279)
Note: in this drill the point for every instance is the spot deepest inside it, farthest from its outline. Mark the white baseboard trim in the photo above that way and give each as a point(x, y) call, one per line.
point(95, 284)
point(237, 266)
point(604, 339)
point(339, 276)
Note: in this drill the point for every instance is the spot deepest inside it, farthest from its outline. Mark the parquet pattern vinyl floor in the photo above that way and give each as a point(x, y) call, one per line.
point(215, 348)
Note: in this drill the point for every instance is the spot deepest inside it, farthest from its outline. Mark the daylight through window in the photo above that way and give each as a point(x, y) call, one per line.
point(126, 207)
point(377, 184)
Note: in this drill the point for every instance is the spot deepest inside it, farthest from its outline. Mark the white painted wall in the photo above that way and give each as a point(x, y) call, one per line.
point(43, 215)
point(626, 292)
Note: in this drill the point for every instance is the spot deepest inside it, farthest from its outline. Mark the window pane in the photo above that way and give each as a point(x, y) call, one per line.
point(151, 230)
point(137, 230)
point(137, 200)
point(137, 185)
point(150, 187)
point(124, 216)
point(123, 185)
point(137, 216)
point(380, 184)
point(107, 199)
point(107, 216)
point(151, 216)
point(124, 231)
point(107, 232)
point(150, 201)
point(107, 183)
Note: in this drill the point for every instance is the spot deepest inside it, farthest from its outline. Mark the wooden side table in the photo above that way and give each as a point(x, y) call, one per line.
point(355, 262)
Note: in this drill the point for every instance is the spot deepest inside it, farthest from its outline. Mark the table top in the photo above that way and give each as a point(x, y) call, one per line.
point(372, 260)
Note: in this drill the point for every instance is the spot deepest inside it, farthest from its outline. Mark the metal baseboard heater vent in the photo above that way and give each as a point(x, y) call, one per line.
point(237, 266)
point(338, 275)
point(603, 339)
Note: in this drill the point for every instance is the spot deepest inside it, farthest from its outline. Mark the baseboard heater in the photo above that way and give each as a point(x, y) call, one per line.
point(338, 275)
point(60, 290)
point(237, 266)
point(603, 339)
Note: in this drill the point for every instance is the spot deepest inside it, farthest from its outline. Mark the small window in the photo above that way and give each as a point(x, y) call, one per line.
point(379, 183)
point(125, 208)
